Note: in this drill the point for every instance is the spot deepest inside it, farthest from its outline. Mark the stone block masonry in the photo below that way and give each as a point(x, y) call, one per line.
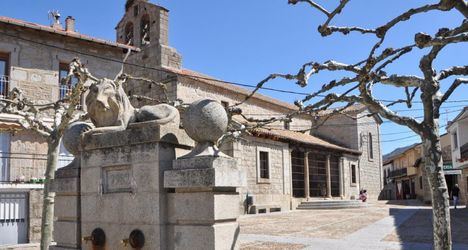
point(122, 184)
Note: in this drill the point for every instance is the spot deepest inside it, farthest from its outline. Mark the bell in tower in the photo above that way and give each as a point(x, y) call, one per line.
point(144, 23)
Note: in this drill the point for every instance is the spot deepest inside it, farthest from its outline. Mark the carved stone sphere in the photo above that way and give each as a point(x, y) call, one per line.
point(205, 121)
point(71, 136)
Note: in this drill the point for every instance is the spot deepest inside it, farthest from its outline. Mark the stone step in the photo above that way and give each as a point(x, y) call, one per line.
point(325, 208)
point(330, 204)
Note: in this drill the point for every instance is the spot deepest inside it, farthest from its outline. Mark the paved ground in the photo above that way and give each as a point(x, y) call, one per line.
point(377, 226)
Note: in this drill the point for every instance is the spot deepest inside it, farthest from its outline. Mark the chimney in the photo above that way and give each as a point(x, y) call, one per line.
point(70, 24)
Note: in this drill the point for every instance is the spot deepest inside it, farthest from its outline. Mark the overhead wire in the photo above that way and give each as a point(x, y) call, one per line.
point(182, 74)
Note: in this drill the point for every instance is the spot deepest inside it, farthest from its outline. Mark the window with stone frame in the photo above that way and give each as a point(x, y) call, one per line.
point(420, 182)
point(66, 88)
point(4, 74)
point(371, 146)
point(353, 174)
point(264, 165)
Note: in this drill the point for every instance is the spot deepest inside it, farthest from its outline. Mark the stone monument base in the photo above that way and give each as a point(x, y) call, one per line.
point(204, 203)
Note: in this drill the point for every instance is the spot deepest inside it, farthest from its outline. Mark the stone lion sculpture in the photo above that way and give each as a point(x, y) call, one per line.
point(110, 109)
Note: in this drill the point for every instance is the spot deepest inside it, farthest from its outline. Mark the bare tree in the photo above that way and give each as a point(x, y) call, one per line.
point(364, 75)
point(34, 117)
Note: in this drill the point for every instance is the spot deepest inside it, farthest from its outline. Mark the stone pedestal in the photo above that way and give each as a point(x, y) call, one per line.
point(204, 203)
point(122, 184)
point(67, 227)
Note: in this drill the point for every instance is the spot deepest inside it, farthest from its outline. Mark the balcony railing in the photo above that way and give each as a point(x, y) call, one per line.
point(65, 91)
point(31, 166)
point(4, 81)
point(398, 173)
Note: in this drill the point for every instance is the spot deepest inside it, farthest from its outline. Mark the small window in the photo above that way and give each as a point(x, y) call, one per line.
point(145, 30)
point(371, 147)
point(264, 165)
point(353, 174)
point(225, 104)
point(455, 140)
point(4, 74)
point(136, 10)
point(287, 125)
point(420, 182)
point(129, 34)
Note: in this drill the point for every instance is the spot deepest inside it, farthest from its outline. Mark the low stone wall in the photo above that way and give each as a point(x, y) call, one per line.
point(31, 246)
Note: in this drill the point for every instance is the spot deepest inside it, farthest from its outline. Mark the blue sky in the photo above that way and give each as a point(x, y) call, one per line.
point(244, 41)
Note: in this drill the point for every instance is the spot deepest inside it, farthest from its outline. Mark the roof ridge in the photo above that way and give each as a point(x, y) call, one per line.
point(73, 34)
point(224, 84)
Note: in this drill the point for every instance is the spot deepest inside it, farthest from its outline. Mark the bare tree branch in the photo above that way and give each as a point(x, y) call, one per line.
point(402, 81)
point(347, 30)
point(455, 84)
point(424, 40)
point(261, 83)
point(331, 85)
point(389, 52)
point(456, 70)
point(313, 4)
point(460, 5)
point(160, 85)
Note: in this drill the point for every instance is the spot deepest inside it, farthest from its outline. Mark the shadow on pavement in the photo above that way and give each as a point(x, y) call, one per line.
point(418, 228)
point(412, 202)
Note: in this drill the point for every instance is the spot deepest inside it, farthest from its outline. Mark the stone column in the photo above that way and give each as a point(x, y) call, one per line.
point(67, 227)
point(67, 188)
point(328, 177)
point(306, 176)
point(204, 207)
point(341, 177)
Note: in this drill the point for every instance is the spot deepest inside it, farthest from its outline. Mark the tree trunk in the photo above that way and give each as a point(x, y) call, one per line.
point(48, 206)
point(440, 197)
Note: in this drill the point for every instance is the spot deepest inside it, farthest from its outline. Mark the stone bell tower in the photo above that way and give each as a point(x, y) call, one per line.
point(145, 25)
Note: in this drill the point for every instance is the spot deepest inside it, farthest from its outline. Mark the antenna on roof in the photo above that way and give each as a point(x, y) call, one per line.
point(54, 17)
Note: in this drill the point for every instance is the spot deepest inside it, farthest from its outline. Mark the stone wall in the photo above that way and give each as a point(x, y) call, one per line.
point(463, 185)
point(28, 155)
point(35, 215)
point(424, 193)
point(354, 134)
point(35, 67)
point(351, 190)
point(274, 192)
point(370, 168)
point(341, 130)
point(190, 90)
